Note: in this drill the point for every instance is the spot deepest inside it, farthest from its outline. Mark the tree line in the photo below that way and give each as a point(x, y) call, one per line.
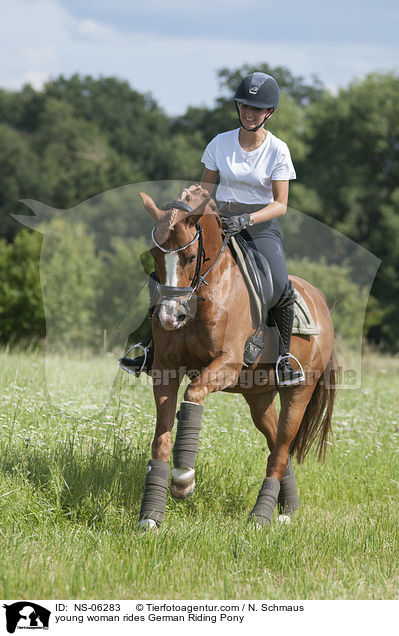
point(80, 136)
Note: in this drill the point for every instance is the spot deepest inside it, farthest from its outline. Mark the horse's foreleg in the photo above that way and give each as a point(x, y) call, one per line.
point(185, 449)
point(153, 504)
point(218, 375)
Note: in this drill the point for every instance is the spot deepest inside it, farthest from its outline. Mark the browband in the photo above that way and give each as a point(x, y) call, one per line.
point(180, 205)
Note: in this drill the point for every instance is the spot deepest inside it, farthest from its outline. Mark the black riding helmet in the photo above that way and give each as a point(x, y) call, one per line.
point(260, 91)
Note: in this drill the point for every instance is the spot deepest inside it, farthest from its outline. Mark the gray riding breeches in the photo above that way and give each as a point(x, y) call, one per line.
point(265, 238)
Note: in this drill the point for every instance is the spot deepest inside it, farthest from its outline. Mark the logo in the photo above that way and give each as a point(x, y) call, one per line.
point(26, 615)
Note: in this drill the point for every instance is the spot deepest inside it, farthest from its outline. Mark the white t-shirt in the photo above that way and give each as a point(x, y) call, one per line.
point(246, 177)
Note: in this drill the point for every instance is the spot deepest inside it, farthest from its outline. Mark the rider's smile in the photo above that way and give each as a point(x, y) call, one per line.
point(252, 116)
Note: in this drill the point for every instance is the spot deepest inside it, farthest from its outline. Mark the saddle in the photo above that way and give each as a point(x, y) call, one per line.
point(255, 270)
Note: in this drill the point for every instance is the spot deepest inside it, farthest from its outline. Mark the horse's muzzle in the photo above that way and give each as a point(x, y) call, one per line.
point(174, 313)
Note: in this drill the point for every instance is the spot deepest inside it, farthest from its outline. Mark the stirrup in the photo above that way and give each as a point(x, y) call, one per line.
point(130, 369)
point(294, 381)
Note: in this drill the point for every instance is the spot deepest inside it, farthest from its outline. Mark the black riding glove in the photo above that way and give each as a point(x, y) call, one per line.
point(234, 224)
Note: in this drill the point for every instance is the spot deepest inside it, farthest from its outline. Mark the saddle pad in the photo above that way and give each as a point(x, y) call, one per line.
point(303, 321)
point(304, 324)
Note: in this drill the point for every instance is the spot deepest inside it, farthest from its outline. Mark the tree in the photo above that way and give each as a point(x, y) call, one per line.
point(346, 299)
point(130, 121)
point(122, 300)
point(21, 307)
point(19, 174)
point(21, 110)
point(69, 271)
point(75, 157)
point(296, 87)
point(353, 164)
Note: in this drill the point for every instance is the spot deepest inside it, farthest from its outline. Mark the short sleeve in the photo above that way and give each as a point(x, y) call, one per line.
point(209, 156)
point(283, 169)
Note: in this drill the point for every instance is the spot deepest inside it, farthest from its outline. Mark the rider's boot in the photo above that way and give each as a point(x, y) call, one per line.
point(284, 318)
point(135, 366)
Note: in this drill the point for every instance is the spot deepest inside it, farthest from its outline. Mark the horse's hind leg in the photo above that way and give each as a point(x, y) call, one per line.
point(293, 405)
point(264, 416)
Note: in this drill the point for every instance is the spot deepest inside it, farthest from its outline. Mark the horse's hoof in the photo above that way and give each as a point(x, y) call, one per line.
point(144, 525)
point(258, 523)
point(183, 483)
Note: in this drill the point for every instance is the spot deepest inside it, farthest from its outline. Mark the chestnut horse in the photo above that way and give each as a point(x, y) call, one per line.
point(201, 323)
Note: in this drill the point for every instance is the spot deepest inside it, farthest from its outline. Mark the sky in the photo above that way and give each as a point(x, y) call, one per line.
point(173, 49)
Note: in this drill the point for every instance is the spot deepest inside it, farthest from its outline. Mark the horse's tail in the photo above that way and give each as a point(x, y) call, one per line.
point(316, 421)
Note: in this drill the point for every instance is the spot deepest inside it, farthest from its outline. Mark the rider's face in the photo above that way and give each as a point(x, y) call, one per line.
point(251, 116)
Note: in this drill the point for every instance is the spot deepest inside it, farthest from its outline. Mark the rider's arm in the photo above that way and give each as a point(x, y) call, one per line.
point(279, 205)
point(208, 180)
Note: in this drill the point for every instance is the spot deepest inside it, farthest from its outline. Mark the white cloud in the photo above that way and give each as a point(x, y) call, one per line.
point(40, 39)
point(92, 30)
point(36, 79)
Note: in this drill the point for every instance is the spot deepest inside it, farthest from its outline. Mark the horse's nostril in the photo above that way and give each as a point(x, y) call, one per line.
point(181, 317)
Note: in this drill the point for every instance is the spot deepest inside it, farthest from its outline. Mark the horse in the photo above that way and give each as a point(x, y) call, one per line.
point(200, 325)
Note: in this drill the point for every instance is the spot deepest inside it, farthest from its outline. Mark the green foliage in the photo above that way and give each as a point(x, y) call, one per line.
point(134, 125)
point(302, 92)
point(19, 172)
point(346, 300)
point(122, 302)
point(69, 275)
point(80, 136)
point(353, 165)
point(78, 295)
point(21, 110)
point(75, 156)
point(21, 306)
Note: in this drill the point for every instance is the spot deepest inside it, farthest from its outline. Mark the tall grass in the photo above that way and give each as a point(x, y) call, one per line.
point(71, 486)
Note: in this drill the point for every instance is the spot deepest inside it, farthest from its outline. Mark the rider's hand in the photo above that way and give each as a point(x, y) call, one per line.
point(234, 224)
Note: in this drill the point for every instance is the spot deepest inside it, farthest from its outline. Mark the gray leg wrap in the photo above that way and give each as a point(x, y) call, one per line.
point(187, 437)
point(266, 501)
point(288, 498)
point(153, 504)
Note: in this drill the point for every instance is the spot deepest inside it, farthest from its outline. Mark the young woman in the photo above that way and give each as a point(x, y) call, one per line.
point(254, 168)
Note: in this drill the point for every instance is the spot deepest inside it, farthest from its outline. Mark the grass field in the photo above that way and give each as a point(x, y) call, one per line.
point(71, 486)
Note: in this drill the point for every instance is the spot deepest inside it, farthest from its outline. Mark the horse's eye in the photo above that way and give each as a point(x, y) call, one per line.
point(191, 259)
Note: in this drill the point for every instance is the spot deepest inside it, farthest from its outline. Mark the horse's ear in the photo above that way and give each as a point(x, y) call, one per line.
point(150, 207)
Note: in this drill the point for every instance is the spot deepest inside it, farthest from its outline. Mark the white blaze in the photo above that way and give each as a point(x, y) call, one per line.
point(167, 310)
point(171, 261)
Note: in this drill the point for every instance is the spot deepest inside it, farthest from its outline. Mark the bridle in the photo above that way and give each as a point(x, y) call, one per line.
point(176, 293)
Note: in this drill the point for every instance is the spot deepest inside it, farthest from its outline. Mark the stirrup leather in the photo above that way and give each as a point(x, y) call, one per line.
point(289, 382)
point(130, 369)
